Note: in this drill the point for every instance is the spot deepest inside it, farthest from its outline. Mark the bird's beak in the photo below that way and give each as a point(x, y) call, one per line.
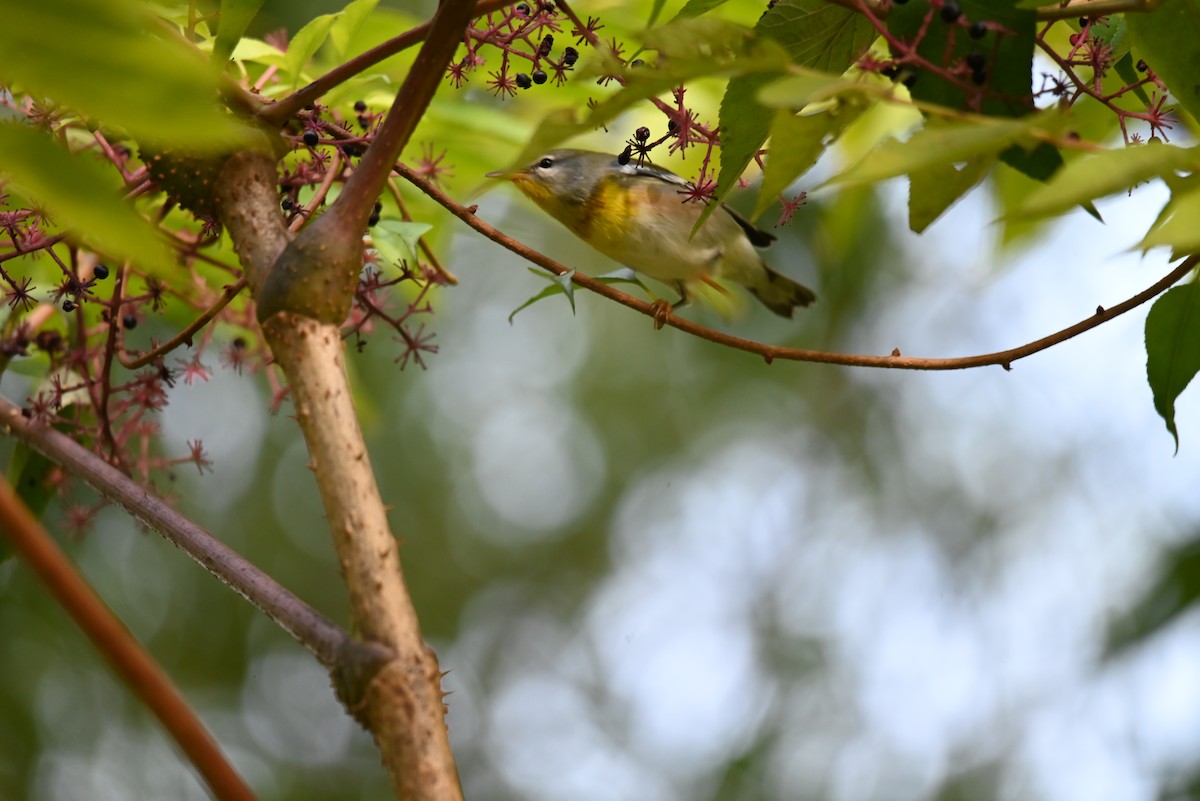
point(507, 175)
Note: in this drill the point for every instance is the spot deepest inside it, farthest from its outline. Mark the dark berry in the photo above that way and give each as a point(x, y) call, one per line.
point(637, 62)
point(100, 271)
point(539, 76)
point(979, 76)
point(524, 80)
point(548, 8)
point(238, 343)
point(363, 122)
point(68, 305)
point(544, 47)
point(311, 138)
point(378, 206)
point(1084, 22)
point(890, 71)
point(1141, 65)
point(975, 60)
point(129, 321)
point(570, 56)
point(641, 134)
point(672, 125)
point(287, 204)
point(978, 30)
point(909, 79)
point(373, 220)
point(950, 11)
point(625, 156)
point(523, 9)
point(360, 106)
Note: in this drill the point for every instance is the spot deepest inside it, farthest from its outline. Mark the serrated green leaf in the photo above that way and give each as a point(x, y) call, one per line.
point(1173, 349)
point(1171, 32)
point(113, 62)
point(1095, 176)
point(396, 240)
point(348, 24)
point(931, 191)
point(801, 141)
point(817, 35)
point(1177, 227)
point(942, 144)
point(306, 43)
point(236, 16)
point(80, 194)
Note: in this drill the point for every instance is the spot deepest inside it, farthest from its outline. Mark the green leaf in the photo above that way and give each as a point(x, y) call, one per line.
point(802, 139)
point(1173, 348)
point(306, 43)
point(692, 8)
point(348, 24)
point(1177, 227)
point(1009, 58)
point(931, 191)
point(236, 16)
point(80, 193)
point(396, 240)
point(1095, 176)
point(940, 144)
point(817, 35)
point(559, 285)
point(1175, 591)
point(1170, 32)
point(562, 285)
point(114, 62)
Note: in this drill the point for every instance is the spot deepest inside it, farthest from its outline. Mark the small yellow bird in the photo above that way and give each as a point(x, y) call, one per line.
point(637, 216)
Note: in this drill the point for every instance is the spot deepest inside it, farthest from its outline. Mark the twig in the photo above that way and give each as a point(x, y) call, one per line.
point(126, 656)
point(770, 353)
point(184, 337)
point(277, 113)
point(322, 638)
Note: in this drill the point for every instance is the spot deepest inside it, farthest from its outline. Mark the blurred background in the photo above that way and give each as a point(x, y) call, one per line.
point(659, 570)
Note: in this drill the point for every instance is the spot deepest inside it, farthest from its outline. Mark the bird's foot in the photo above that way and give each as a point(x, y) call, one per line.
point(661, 311)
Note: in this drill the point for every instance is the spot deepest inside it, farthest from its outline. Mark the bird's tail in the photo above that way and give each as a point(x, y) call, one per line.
point(781, 294)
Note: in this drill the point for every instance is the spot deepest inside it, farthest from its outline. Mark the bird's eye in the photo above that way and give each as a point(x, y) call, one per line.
point(546, 163)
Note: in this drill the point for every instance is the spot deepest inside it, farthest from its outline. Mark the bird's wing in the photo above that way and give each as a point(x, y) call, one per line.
point(758, 237)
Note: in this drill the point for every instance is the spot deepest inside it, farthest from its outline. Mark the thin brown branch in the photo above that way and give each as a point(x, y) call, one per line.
point(327, 642)
point(140, 672)
point(1066, 10)
point(770, 353)
point(184, 337)
point(277, 113)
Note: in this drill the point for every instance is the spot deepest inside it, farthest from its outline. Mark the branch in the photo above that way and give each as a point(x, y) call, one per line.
point(184, 337)
point(770, 353)
point(276, 114)
point(322, 638)
point(140, 672)
point(1072, 8)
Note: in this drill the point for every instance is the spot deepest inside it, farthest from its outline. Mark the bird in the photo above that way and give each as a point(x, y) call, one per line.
point(636, 214)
